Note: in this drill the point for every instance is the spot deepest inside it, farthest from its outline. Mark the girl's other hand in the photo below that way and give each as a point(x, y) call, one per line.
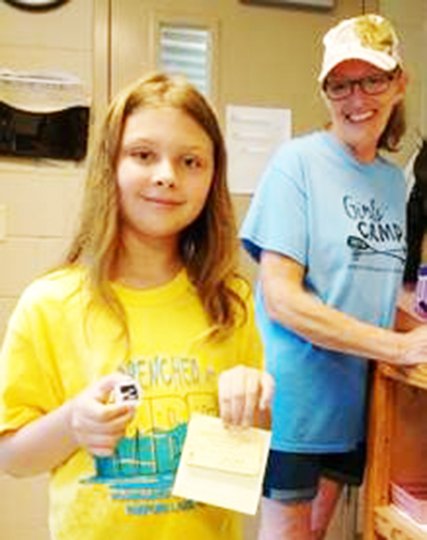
point(244, 392)
point(97, 424)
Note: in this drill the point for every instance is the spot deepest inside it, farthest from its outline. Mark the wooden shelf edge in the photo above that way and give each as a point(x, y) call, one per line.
point(414, 376)
point(392, 524)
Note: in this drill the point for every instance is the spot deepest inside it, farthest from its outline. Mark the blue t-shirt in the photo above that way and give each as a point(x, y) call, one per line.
point(344, 221)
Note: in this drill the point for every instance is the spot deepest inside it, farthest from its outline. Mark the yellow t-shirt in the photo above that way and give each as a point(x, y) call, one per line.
point(55, 347)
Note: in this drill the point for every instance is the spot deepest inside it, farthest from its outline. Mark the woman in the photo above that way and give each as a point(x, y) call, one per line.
point(327, 226)
point(147, 308)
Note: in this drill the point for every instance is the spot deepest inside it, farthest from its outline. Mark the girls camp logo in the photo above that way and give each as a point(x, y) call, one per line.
point(375, 236)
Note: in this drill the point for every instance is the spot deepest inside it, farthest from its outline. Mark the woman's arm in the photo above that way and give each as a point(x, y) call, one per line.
point(291, 305)
point(85, 421)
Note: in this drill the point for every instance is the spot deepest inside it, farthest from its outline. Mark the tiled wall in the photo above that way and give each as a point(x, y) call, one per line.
point(39, 198)
point(39, 208)
point(39, 202)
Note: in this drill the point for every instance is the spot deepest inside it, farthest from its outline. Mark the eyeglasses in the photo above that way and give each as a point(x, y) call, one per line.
point(372, 85)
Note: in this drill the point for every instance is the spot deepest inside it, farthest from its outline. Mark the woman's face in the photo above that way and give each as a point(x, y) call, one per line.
point(164, 173)
point(359, 119)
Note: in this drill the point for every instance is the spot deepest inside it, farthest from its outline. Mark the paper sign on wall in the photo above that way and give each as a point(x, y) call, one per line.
point(252, 134)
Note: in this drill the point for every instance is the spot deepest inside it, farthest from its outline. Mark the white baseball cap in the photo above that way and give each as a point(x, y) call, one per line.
point(368, 37)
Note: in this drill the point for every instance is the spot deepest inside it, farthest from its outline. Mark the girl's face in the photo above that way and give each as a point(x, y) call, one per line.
point(359, 119)
point(164, 173)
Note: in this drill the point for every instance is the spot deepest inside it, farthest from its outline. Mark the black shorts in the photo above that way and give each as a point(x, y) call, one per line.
point(294, 477)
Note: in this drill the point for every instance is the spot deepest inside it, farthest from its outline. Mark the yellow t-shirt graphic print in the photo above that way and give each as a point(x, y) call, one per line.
point(55, 346)
point(142, 471)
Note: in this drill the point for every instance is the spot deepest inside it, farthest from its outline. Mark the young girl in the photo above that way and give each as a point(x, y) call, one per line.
point(149, 297)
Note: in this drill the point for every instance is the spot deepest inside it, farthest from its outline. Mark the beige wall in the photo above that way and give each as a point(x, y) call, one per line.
point(410, 19)
point(266, 57)
point(41, 199)
point(40, 196)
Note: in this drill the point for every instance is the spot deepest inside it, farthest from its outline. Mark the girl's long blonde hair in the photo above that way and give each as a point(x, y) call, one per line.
point(208, 246)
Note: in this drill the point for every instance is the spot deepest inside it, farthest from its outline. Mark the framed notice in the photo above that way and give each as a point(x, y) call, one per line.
point(252, 135)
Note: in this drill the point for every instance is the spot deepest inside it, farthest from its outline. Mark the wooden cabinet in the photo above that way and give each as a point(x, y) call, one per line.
point(397, 446)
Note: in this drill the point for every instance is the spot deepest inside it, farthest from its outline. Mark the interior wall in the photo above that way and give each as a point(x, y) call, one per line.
point(410, 20)
point(277, 49)
point(40, 198)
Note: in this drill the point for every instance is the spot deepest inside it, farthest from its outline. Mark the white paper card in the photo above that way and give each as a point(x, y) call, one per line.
point(252, 135)
point(221, 466)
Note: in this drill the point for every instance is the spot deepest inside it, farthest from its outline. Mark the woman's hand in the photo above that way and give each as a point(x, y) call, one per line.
point(243, 391)
point(96, 423)
point(414, 347)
